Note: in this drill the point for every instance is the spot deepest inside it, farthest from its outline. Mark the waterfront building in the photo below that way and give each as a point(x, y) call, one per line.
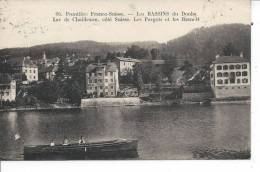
point(125, 65)
point(29, 69)
point(25, 67)
point(102, 80)
point(230, 77)
point(8, 90)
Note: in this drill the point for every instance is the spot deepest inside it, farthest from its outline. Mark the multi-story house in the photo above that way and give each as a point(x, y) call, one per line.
point(102, 80)
point(29, 69)
point(25, 67)
point(8, 91)
point(125, 65)
point(230, 77)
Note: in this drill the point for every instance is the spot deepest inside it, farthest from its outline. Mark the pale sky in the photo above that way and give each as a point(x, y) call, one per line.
point(29, 22)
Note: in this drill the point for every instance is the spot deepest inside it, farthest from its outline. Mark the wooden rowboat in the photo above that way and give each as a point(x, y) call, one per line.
point(112, 149)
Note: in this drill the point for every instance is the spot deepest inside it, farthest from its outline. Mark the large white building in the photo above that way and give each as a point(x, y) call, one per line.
point(230, 77)
point(29, 69)
point(102, 80)
point(8, 91)
point(125, 65)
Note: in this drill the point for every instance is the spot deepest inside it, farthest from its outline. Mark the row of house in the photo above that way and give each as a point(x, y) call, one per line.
point(229, 76)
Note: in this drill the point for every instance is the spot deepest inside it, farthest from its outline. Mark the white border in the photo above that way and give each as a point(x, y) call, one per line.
point(176, 165)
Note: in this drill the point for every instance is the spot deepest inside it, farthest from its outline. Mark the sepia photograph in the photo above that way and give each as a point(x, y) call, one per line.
point(132, 80)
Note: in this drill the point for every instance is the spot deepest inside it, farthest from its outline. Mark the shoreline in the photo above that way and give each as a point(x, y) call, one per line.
point(215, 102)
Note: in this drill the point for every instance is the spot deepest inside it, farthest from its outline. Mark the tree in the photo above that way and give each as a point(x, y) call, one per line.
point(127, 78)
point(155, 53)
point(229, 50)
point(187, 69)
point(61, 73)
point(137, 52)
point(138, 78)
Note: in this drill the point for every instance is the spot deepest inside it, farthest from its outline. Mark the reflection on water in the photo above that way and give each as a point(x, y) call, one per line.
point(163, 132)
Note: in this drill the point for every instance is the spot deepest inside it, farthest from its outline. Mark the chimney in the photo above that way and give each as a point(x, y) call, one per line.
point(241, 54)
point(217, 56)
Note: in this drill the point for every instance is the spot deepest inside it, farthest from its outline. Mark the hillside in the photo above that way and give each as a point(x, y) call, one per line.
point(202, 44)
point(199, 46)
point(80, 48)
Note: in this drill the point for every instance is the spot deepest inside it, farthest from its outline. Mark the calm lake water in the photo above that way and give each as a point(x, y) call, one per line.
point(163, 132)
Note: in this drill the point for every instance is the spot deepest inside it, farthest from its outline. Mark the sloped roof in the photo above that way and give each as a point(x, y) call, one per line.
point(128, 59)
point(154, 62)
point(28, 62)
point(109, 67)
point(230, 59)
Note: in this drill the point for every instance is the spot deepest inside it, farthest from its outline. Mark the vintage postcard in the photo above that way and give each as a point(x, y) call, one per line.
point(125, 80)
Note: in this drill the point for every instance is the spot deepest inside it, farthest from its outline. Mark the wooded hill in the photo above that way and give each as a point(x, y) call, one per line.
point(199, 46)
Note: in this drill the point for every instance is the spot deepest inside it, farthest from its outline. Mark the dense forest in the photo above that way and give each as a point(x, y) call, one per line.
point(198, 46)
point(201, 45)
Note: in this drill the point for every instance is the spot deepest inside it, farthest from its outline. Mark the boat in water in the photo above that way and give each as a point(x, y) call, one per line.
point(111, 149)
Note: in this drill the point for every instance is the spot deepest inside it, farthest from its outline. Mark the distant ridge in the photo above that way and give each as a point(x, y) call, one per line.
point(198, 46)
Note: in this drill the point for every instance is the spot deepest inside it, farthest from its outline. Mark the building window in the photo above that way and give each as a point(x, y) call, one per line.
point(90, 88)
point(25, 71)
point(106, 87)
point(90, 81)
point(226, 81)
point(244, 66)
point(95, 88)
point(245, 80)
point(112, 93)
point(238, 66)
point(238, 81)
point(106, 80)
point(225, 74)
point(112, 87)
point(238, 73)
point(99, 74)
point(244, 73)
point(95, 80)
point(112, 80)
point(211, 75)
point(231, 67)
point(106, 93)
point(100, 80)
point(219, 74)
point(225, 67)
point(101, 87)
point(33, 71)
point(34, 77)
point(111, 73)
point(106, 74)
point(219, 67)
point(232, 77)
point(220, 81)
